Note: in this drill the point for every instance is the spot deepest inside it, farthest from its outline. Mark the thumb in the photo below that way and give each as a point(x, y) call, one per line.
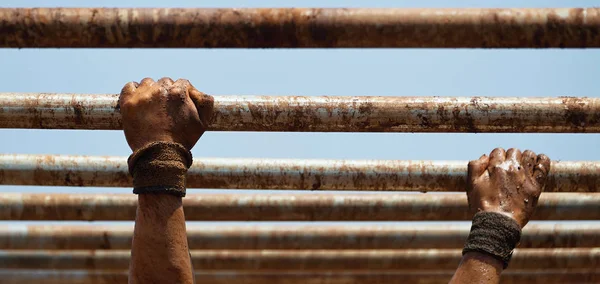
point(476, 168)
point(204, 105)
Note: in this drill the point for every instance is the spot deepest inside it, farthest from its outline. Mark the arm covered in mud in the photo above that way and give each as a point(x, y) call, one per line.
point(503, 191)
point(162, 121)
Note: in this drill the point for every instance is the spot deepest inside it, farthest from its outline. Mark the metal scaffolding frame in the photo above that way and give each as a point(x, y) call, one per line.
point(321, 253)
point(252, 173)
point(303, 260)
point(313, 206)
point(292, 237)
point(324, 114)
point(299, 28)
point(336, 277)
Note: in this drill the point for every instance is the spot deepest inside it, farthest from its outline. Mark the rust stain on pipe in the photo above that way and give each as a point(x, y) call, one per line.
point(426, 277)
point(299, 28)
point(286, 207)
point(303, 260)
point(243, 237)
point(249, 173)
point(325, 114)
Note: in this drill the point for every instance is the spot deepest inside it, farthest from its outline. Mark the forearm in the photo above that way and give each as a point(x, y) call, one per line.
point(162, 121)
point(159, 251)
point(478, 268)
point(488, 248)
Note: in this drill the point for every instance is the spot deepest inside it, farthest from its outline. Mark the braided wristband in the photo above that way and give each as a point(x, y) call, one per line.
point(160, 167)
point(493, 234)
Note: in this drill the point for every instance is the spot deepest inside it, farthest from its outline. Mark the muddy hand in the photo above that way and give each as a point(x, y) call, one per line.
point(164, 111)
point(507, 182)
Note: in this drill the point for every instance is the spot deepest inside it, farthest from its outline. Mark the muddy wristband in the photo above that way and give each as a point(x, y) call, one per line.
point(493, 234)
point(160, 167)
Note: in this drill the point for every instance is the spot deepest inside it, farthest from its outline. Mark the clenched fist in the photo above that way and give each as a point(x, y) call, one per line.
point(507, 182)
point(164, 111)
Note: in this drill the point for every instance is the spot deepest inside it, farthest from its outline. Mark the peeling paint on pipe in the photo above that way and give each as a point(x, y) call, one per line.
point(299, 28)
point(250, 173)
point(427, 277)
point(286, 207)
point(325, 114)
point(303, 260)
point(244, 237)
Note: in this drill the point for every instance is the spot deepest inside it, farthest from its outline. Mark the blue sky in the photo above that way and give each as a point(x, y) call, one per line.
point(315, 72)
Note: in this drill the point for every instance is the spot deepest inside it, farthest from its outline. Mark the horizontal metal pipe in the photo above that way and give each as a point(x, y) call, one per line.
point(299, 28)
point(303, 260)
point(286, 207)
point(250, 173)
point(325, 114)
point(242, 237)
point(426, 277)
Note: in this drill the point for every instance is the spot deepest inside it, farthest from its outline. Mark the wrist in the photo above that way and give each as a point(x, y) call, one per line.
point(160, 168)
point(493, 234)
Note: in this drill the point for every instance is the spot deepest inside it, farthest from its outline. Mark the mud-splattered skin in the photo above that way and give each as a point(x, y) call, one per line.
point(506, 182)
point(164, 111)
point(172, 112)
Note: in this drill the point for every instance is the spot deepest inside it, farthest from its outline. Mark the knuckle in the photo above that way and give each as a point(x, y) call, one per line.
point(514, 153)
point(498, 151)
point(183, 82)
point(177, 93)
point(126, 90)
point(166, 80)
point(497, 169)
point(541, 168)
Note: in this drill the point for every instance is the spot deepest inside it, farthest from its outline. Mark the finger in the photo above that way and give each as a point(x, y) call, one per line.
point(204, 104)
point(514, 155)
point(528, 161)
point(146, 82)
point(128, 89)
point(166, 81)
point(177, 93)
point(127, 92)
point(541, 170)
point(476, 168)
point(497, 157)
point(179, 89)
point(184, 83)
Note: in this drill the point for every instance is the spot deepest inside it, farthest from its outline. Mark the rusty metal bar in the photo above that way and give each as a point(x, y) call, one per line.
point(426, 277)
point(325, 114)
point(322, 236)
point(299, 28)
point(303, 260)
point(286, 207)
point(250, 173)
